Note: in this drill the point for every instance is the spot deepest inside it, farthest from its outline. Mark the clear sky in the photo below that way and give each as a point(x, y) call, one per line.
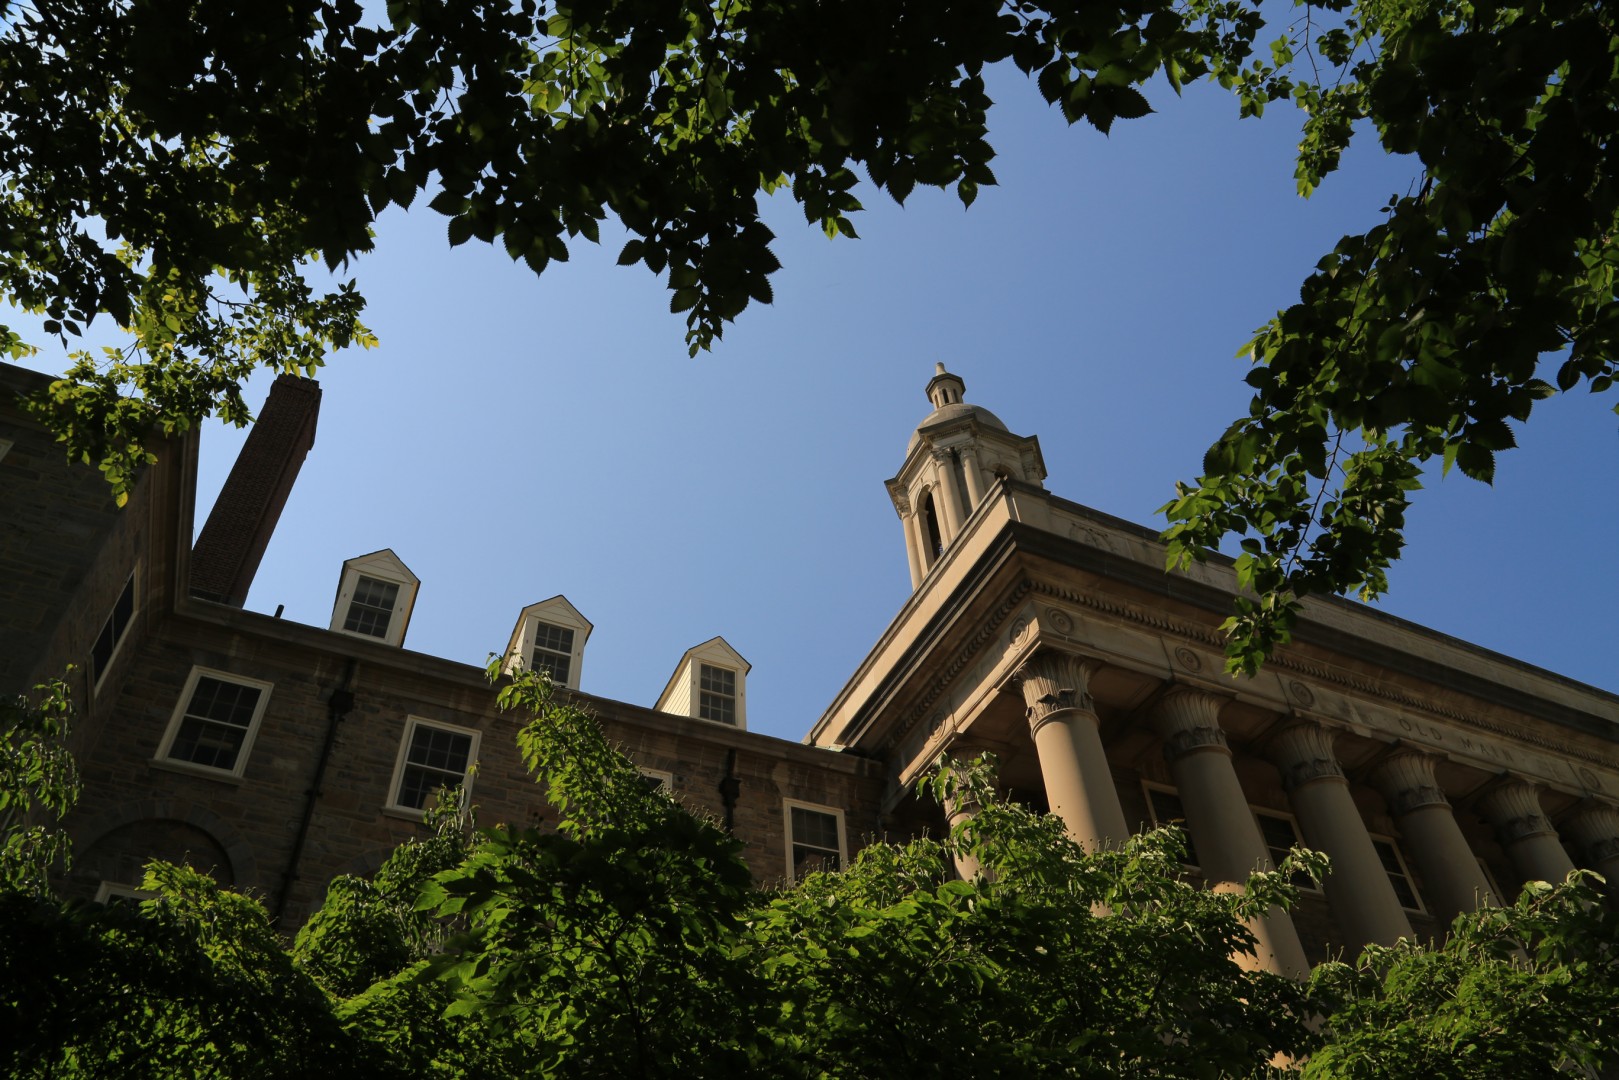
point(515, 438)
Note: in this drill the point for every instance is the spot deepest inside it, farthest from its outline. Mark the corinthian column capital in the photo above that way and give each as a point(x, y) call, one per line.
point(1189, 721)
point(1407, 782)
point(1514, 809)
point(1053, 682)
point(1303, 752)
point(1596, 829)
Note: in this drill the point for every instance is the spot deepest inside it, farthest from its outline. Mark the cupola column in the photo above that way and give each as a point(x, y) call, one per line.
point(947, 495)
point(1451, 875)
point(913, 545)
point(1063, 721)
point(974, 477)
point(1229, 845)
point(1357, 886)
point(1523, 830)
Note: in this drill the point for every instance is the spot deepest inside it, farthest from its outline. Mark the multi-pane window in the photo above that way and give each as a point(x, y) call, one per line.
point(371, 607)
point(1166, 809)
point(716, 694)
point(1394, 866)
point(553, 652)
point(112, 632)
point(434, 757)
point(1280, 838)
point(214, 726)
point(814, 840)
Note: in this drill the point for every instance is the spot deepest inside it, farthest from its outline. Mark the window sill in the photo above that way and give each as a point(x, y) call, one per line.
point(205, 772)
point(418, 817)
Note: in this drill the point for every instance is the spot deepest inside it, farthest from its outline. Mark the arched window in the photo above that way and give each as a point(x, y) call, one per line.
point(930, 529)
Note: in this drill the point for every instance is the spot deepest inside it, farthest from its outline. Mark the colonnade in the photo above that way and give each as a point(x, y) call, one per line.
point(1080, 790)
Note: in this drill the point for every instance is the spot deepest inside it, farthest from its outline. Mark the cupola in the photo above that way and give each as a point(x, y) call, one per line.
point(956, 456)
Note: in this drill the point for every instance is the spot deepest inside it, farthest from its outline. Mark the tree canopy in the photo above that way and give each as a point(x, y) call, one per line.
point(179, 165)
point(632, 941)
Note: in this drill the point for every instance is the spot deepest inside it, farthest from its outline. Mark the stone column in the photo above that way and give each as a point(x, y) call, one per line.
point(1229, 844)
point(1450, 872)
point(975, 478)
point(958, 810)
point(946, 495)
point(1595, 828)
point(1357, 887)
point(1079, 784)
point(911, 518)
point(1521, 827)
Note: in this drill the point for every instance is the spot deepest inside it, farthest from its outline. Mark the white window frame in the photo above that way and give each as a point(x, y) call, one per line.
point(1405, 871)
point(178, 717)
point(735, 696)
point(108, 891)
point(132, 585)
point(400, 761)
point(531, 642)
point(787, 806)
point(665, 779)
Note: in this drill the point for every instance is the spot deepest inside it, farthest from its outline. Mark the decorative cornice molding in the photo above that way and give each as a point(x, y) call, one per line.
point(1363, 687)
point(1304, 754)
point(1408, 783)
point(1188, 720)
point(1515, 811)
point(970, 649)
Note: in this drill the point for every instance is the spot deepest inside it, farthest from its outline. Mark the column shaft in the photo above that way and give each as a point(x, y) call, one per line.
point(1079, 783)
point(1228, 841)
point(913, 546)
point(1358, 889)
point(1451, 877)
point(1596, 829)
point(974, 478)
point(947, 495)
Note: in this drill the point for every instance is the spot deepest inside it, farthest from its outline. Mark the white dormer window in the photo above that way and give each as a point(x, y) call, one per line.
point(709, 683)
point(374, 598)
point(550, 636)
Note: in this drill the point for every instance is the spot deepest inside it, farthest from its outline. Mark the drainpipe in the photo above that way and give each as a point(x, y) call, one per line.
point(338, 706)
point(730, 787)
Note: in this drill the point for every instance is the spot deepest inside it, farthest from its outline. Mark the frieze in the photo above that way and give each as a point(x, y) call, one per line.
point(1365, 687)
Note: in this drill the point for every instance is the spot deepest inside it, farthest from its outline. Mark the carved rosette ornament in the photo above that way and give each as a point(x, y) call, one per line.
point(1189, 721)
point(1407, 783)
point(1596, 829)
point(1303, 753)
point(1054, 683)
point(1514, 809)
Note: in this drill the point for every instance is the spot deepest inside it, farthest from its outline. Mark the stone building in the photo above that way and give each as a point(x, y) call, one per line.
point(1436, 774)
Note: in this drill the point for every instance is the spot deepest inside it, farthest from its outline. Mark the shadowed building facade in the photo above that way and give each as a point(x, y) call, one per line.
point(1434, 773)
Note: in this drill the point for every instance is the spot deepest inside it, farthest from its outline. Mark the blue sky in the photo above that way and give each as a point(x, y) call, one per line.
point(514, 438)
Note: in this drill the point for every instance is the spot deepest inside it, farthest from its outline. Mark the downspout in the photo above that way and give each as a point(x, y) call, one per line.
point(730, 788)
point(338, 706)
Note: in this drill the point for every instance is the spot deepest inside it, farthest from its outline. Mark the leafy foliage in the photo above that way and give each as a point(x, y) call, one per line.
point(631, 941)
point(39, 783)
point(1425, 338)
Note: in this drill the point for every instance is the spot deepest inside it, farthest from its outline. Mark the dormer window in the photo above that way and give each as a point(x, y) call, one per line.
point(374, 598)
point(717, 694)
point(709, 684)
point(371, 608)
point(550, 636)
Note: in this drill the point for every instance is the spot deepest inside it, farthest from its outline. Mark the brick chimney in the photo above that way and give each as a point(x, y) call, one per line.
point(238, 529)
